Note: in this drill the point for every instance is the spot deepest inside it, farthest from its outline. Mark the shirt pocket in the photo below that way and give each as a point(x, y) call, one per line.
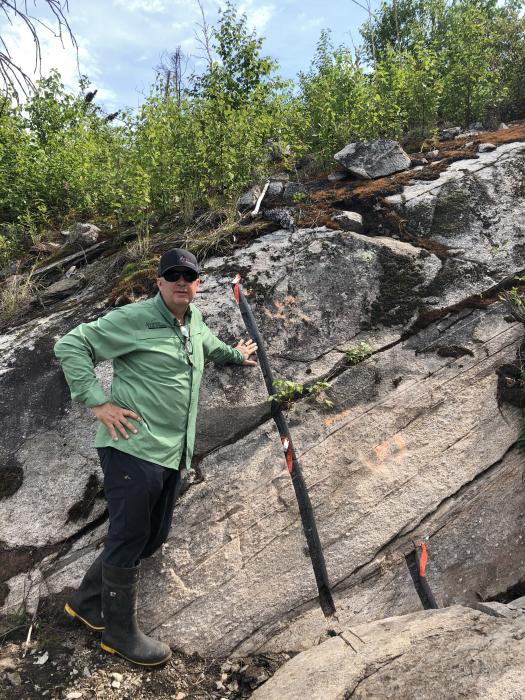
point(156, 339)
point(155, 334)
point(198, 355)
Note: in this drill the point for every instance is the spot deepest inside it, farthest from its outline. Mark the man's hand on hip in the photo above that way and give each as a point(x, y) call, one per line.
point(115, 418)
point(247, 348)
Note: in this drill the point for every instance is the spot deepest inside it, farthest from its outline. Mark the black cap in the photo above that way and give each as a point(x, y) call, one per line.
point(178, 259)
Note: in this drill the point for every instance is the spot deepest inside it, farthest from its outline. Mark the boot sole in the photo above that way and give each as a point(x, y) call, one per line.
point(110, 650)
point(69, 611)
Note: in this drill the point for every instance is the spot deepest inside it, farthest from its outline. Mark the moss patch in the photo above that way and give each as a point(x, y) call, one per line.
point(4, 592)
point(453, 351)
point(451, 212)
point(16, 560)
point(398, 298)
point(11, 478)
point(81, 509)
point(510, 386)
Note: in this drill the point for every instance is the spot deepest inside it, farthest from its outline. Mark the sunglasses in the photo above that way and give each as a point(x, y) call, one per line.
point(175, 275)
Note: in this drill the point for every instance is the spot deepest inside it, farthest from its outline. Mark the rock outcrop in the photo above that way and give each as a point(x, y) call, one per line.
point(413, 445)
point(451, 653)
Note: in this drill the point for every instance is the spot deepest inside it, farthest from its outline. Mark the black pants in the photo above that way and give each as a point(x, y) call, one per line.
point(141, 496)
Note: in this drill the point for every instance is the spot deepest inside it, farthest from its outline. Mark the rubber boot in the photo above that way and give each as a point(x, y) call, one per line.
point(86, 603)
point(122, 634)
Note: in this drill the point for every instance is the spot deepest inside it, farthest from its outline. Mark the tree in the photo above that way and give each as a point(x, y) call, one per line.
point(238, 72)
point(171, 69)
point(404, 25)
point(11, 75)
point(331, 95)
point(474, 83)
point(510, 53)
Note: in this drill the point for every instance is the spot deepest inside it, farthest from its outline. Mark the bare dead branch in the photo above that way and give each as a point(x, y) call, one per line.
point(13, 79)
point(172, 68)
point(204, 40)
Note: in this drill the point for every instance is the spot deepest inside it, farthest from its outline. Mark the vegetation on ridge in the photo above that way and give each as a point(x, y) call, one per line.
point(197, 146)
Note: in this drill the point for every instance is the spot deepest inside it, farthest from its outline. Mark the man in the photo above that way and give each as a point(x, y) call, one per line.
point(146, 435)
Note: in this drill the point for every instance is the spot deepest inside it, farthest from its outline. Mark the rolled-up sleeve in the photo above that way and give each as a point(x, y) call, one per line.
point(85, 346)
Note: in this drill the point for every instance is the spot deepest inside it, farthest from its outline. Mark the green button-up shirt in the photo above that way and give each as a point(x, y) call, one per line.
point(156, 373)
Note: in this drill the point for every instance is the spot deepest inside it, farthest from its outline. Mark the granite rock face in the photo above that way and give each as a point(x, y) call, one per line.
point(414, 444)
point(476, 210)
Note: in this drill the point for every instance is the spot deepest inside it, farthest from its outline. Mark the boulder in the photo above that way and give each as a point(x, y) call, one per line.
point(349, 221)
point(449, 133)
point(376, 158)
point(467, 134)
point(63, 288)
point(275, 188)
point(281, 216)
point(248, 199)
point(82, 233)
point(295, 192)
point(451, 653)
point(486, 147)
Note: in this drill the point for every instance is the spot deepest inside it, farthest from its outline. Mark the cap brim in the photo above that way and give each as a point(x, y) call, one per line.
point(179, 267)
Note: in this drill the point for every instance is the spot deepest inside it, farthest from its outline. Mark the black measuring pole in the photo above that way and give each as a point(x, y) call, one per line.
point(303, 499)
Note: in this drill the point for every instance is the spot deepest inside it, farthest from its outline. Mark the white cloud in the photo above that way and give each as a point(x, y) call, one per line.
point(305, 23)
point(177, 26)
point(257, 15)
point(259, 18)
point(188, 44)
point(151, 6)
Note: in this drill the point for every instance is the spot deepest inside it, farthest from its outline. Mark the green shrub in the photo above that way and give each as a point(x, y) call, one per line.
point(422, 63)
point(358, 353)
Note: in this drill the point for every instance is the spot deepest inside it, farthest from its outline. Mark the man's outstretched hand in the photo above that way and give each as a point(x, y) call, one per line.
point(115, 418)
point(247, 348)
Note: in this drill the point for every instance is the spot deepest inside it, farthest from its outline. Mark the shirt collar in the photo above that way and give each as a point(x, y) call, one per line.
point(166, 313)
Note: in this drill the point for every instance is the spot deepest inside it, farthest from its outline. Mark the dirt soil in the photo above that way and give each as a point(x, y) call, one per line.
point(63, 661)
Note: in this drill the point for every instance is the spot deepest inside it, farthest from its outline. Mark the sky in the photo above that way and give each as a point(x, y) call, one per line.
point(121, 42)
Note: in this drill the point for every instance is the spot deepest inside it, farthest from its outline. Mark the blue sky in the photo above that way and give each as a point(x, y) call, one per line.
point(121, 41)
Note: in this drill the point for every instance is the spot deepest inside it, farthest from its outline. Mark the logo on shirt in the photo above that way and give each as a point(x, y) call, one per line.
point(155, 324)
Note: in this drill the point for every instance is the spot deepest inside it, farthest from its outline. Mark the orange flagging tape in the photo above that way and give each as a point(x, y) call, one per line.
point(235, 283)
point(288, 453)
point(423, 559)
